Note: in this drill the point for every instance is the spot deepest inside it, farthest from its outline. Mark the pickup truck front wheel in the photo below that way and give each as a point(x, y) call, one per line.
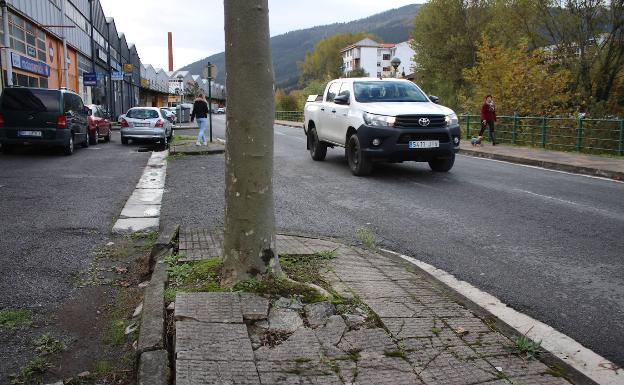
point(359, 164)
point(442, 165)
point(318, 150)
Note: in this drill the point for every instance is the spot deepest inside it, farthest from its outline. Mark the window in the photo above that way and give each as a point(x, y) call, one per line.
point(72, 103)
point(332, 92)
point(386, 56)
point(74, 15)
point(142, 113)
point(23, 99)
point(388, 91)
point(378, 64)
point(26, 38)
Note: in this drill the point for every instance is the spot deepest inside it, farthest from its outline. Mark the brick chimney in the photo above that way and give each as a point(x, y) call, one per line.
point(170, 51)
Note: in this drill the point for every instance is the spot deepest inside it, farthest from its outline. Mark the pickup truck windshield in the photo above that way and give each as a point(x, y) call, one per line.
point(387, 91)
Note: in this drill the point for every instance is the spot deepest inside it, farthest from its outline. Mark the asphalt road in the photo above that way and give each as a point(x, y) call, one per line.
point(547, 243)
point(55, 210)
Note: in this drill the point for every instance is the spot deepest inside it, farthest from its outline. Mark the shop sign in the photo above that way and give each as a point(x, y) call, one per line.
point(117, 75)
point(128, 68)
point(145, 83)
point(89, 79)
point(29, 65)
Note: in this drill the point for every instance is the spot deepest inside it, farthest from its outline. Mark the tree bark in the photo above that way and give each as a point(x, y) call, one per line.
point(249, 239)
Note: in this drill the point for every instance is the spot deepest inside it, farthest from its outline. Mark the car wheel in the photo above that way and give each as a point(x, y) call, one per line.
point(318, 149)
point(108, 136)
point(442, 165)
point(68, 149)
point(124, 140)
point(359, 164)
point(93, 138)
point(85, 144)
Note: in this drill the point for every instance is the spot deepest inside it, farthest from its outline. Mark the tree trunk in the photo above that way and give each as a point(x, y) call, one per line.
point(249, 243)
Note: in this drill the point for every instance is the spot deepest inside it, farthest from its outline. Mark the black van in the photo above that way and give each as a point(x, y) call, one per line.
point(42, 117)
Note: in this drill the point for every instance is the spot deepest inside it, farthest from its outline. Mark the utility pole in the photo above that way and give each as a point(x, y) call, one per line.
point(7, 42)
point(210, 99)
point(65, 63)
point(249, 238)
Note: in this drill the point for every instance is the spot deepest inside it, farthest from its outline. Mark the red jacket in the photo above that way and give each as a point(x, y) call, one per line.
point(488, 113)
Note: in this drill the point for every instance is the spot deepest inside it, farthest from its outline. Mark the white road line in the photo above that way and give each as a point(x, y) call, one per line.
point(572, 203)
point(541, 168)
point(592, 365)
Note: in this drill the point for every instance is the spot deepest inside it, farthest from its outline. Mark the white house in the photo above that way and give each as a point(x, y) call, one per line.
point(374, 58)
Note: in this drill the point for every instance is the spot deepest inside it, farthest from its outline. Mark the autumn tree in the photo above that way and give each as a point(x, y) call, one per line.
point(249, 237)
point(325, 62)
point(521, 81)
point(284, 102)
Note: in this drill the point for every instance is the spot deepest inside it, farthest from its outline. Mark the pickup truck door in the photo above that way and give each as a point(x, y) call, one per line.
point(326, 117)
point(339, 117)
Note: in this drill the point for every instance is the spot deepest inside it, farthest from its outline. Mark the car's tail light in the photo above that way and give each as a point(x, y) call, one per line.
point(124, 123)
point(1, 120)
point(160, 123)
point(61, 122)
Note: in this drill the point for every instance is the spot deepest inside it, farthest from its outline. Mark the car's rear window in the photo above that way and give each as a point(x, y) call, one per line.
point(26, 99)
point(142, 113)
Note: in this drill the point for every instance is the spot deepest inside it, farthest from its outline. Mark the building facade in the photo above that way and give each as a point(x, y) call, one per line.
point(375, 58)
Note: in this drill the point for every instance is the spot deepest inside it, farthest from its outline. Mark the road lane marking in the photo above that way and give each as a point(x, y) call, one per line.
point(592, 365)
point(542, 168)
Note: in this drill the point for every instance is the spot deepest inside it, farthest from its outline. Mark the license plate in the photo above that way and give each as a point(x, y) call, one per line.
point(30, 133)
point(424, 144)
point(141, 124)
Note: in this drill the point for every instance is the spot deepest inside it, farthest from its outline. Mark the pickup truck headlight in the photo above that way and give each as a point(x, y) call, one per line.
point(379, 120)
point(451, 120)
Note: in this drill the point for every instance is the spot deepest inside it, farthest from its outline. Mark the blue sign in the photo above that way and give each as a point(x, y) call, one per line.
point(117, 75)
point(29, 65)
point(89, 79)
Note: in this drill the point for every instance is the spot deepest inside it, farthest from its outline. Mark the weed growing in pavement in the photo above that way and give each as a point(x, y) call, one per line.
point(46, 344)
point(435, 330)
point(103, 368)
point(366, 235)
point(31, 373)
point(276, 286)
point(12, 319)
point(194, 276)
point(114, 335)
point(149, 236)
point(524, 345)
point(177, 139)
point(170, 294)
point(172, 260)
point(327, 254)
point(307, 268)
point(172, 157)
point(395, 354)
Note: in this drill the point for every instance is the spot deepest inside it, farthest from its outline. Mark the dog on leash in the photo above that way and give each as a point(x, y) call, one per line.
point(476, 141)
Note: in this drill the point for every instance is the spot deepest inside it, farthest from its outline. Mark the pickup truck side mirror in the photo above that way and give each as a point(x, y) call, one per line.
point(342, 99)
point(434, 98)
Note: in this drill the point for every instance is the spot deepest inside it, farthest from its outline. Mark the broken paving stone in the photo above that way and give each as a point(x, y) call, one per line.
point(284, 319)
point(171, 306)
point(288, 303)
point(332, 332)
point(354, 321)
point(317, 313)
point(131, 329)
point(254, 307)
point(256, 332)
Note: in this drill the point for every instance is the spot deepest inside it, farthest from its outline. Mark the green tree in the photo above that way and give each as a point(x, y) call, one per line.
point(192, 90)
point(520, 81)
point(285, 102)
point(358, 73)
point(325, 62)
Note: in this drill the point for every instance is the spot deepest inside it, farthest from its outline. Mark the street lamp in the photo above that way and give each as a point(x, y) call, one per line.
point(395, 62)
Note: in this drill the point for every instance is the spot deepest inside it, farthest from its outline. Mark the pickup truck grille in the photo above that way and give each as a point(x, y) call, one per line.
point(414, 121)
point(441, 136)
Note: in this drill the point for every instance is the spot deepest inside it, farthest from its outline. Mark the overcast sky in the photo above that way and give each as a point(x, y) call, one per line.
point(197, 25)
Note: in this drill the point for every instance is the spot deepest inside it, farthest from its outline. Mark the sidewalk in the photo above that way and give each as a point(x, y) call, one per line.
point(386, 324)
point(608, 167)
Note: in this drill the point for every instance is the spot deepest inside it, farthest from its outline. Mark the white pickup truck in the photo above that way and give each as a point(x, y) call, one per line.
point(381, 120)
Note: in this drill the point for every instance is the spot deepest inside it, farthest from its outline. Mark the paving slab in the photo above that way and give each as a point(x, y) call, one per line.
point(208, 307)
point(133, 225)
point(301, 346)
point(140, 211)
point(212, 342)
point(191, 372)
point(146, 196)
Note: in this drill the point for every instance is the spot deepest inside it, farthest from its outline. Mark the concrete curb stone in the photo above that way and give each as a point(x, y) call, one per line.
point(154, 368)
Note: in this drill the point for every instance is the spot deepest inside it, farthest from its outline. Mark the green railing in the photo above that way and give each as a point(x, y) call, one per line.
point(592, 136)
point(291, 116)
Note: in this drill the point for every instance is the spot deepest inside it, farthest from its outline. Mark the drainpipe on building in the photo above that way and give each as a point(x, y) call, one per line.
point(65, 61)
point(7, 43)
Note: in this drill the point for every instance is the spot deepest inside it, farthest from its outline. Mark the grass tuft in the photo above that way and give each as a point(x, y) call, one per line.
point(275, 286)
point(12, 319)
point(46, 344)
point(525, 346)
point(366, 235)
point(31, 373)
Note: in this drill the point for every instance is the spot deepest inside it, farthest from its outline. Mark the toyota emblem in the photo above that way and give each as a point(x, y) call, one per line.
point(424, 121)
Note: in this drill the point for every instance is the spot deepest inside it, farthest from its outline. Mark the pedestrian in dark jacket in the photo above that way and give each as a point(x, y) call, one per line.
point(488, 118)
point(200, 111)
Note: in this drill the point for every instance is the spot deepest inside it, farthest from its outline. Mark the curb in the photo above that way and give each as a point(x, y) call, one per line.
point(174, 151)
point(288, 124)
point(571, 373)
point(546, 164)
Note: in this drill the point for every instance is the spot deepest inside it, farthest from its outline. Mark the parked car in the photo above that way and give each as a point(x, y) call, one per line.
point(146, 123)
point(169, 115)
point(42, 117)
point(381, 120)
point(99, 124)
point(221, 110)
point(120, 117)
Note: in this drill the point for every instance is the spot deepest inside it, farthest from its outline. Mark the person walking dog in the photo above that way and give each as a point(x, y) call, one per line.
point(488, 118)
point(200, 111)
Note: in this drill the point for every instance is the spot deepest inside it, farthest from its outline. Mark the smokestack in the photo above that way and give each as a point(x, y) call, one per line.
point(170, 51)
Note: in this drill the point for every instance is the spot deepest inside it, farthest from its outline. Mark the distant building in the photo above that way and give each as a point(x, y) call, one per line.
point(374, 58)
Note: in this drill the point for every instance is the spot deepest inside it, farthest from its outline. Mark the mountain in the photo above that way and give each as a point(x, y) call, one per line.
point(288, 49)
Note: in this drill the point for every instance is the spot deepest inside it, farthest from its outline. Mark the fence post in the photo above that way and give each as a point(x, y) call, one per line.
point(579, 135)
point(543, 132)
point(467, 127)
point(514, 128)
point(621, 146)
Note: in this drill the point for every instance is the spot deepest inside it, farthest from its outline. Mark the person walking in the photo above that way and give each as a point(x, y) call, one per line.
point(200, 111)
point(488, 118)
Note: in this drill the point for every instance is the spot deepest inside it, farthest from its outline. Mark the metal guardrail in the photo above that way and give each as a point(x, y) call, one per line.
point(291, 116)
point(592, 136)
